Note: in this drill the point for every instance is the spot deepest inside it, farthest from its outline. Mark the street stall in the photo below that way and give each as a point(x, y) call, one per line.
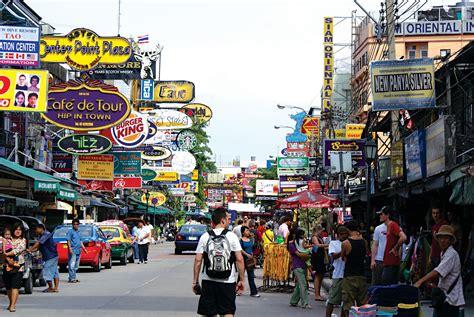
point(276, 265)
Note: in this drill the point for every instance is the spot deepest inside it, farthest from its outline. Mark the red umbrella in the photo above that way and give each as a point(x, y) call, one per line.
point(306, 199)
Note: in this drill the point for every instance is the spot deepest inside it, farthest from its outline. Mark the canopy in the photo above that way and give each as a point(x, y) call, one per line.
point(42, 181)
point(306, 199)
point(21, 201)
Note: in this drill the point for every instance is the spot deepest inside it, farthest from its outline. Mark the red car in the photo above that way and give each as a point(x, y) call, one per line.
point(99, 251)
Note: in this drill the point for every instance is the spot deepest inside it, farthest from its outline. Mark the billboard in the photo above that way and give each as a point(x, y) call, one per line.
point(127, 71)
point(96, 167)
point(328, 51)
point(177, 91)
point(403, 84)
point(266, 187)
point(19, 45)
point(23, 90)
point(415, 156)
point(355, 147)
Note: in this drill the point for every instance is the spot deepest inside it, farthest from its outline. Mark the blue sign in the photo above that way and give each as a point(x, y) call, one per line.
point(284, 152)
point(415, 156)
point(19, 46)
point(270, 164)
point(297, 136)
point(146, 89)
point(186, 178)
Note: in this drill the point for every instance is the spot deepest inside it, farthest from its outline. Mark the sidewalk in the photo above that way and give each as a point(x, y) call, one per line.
point(428, 312)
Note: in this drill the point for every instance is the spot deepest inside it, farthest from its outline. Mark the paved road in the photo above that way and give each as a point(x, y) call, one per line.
point(159, 288)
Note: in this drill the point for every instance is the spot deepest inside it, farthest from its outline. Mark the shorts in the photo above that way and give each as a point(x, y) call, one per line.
point(12, 280)
point(354, 291)
point(217, 298)
point(335, 293)
point(50, 269)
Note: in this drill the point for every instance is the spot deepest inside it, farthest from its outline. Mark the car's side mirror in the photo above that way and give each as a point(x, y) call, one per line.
point(108, 236)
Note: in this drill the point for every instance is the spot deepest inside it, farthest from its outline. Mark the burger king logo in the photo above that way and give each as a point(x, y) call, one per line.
point(131, 132)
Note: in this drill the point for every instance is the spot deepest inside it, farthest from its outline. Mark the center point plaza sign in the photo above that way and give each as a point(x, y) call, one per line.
point(83, 49)
point(85, 107)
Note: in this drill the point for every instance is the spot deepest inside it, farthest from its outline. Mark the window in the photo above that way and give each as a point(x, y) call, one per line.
point(424, 51)
point(411, 52)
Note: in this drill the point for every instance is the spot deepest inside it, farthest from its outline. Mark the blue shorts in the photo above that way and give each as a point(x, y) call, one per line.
point(50, 269)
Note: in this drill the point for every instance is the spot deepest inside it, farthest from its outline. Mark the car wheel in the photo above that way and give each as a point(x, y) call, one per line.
point(62, 268)
point(123, 260)
point(108, 265)
point(99, 265)
point(177, 251)
point(28, 284)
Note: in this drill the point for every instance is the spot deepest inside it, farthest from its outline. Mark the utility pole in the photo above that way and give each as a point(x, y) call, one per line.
point(390, 11)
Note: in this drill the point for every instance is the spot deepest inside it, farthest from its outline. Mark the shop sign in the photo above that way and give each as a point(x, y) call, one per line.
point(157, 154)
point(96, 185)
point(328, 51)
point(292, 181)
point(284, 152)
point(177, 192)
point(266, 187)
point(340, 133)
point(82, 49)
point(131, 132)
point(396, 159)
point(403, 84)
point(173, 91)
point(146, 89)
point(127, 182)
point(84, 144)
point(418, 28)
point(164, 119)
point(62, 162)
point(195, 175)
point(186, 140)
point(415, 156)
point(189, 198)
point(19, 45)
point(127, 71)
point(138, 148)
point(148, 174)
point(201, 112)
point(129, 163)
point(293, 162)
point(45, 186)
point(355, 147)
point(166, 176)
point(293, 171)
point(96, 167)
point(23, 90)
point(183, 162)
point(354, 131)
point(440, 139)
point(266, 198)
point(154, 199)
point(156, 136)
point(66, 194)
point(86, 108)
point(310, 127)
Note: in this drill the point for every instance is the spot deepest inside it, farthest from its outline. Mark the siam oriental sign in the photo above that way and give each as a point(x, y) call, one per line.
point(19, 45)
point(83, 49)
point(435, 27)
point(86, 108)
point(328, 63)
point(178, 91)
point(84, 144)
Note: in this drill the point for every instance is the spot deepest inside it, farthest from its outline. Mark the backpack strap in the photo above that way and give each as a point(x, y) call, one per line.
point(454, 284)
point(211, 233)
point(224, 232)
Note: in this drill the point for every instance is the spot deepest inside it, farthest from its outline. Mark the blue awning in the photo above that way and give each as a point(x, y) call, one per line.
point(95, 202)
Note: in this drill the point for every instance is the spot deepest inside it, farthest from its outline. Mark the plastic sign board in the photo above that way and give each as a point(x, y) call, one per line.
point(444, 27)
point(183, 162)
point(201, 112)
point(86, 108)
point(328, 51)
point(127, 71)
point(19, 45)
point(127, 163)
point(186, 140)
point(131, 132)
point(146, 89)
point(354, 131)
point(95, 167)
point(267, 187)
point(311, 126)
point(166, 176)
point(23, 90)
point(403, 84)
point(127, 182)
point(84, 144)
point(173, 91)
point(82, 49)
point(195, 175)
point(157, 154)
point(62, 162)
point(293, 162)
point(164, 119)
point(356, 147)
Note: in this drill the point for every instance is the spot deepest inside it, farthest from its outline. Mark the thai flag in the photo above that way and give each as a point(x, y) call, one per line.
point(143, 39)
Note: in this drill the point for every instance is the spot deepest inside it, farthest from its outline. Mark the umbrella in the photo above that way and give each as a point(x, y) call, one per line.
point(306, 199)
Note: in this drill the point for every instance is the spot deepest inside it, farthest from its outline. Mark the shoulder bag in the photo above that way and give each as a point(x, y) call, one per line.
point(438, 297)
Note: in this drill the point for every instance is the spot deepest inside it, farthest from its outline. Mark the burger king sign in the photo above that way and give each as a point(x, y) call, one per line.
point(131, 132)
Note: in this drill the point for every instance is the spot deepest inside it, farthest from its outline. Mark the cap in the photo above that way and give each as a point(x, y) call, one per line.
point(446, 230)
point(387, 210)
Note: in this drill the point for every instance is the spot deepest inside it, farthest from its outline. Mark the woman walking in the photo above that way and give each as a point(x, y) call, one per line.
point(298, 265)
point(318, 266)
point(247, 251)
point(12, 278)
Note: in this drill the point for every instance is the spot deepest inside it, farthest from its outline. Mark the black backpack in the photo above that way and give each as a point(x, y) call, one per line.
point(218, 256)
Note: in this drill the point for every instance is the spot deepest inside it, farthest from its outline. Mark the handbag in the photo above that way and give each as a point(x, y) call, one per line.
point(250, 263)
point(438, 297)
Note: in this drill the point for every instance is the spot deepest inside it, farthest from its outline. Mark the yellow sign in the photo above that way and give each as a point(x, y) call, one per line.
point(354, 131)
point(154, 199)
point(173, 91)
point(338, 133)
point(83, 49)
point(201, 112)
point(166, 176)
point(328, 63)
point(95, 167)
point(23, 90)
point(195, 175)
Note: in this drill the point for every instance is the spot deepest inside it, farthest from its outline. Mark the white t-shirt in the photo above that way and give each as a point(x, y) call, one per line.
point(339, 265)
point(234, 246)
point(283, 230)
point(380, 235)
point(237, 231)
point(141, 233)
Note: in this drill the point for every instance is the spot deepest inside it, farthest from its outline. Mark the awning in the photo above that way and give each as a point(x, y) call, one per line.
point(42, 181)
point(158, 210)
point(21, 202)
point(67, 193)
point(95, 202)
point(83, 200)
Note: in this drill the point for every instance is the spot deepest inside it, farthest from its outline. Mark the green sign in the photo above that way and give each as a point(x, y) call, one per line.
point(293, 162)
point(148, 174)
point(84, 144)
point(67, 194)
point(127, 163)
point(45, 186)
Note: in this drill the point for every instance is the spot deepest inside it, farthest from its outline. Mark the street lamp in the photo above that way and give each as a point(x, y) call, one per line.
point(370, 154)
point(290, 107)
point(322, 181)
point(283, 127)
point(147, 197)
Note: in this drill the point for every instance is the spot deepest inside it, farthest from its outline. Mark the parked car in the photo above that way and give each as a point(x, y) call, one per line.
point(28, 275)
point(188, 236)
point(36, 257)
point(99, 251)
point(120, 241)
point(120, 223)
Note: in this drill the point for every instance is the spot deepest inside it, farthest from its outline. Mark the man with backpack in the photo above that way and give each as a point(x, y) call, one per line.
point(221, 253)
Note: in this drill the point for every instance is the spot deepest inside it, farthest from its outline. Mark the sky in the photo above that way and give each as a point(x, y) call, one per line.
point(244, 56)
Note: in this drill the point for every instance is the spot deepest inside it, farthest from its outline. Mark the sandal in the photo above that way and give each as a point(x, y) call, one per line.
point(48, 290)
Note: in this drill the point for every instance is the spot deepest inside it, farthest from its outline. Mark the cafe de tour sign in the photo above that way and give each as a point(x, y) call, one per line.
point(86, 108)
point(84, 144)
point(83, 49)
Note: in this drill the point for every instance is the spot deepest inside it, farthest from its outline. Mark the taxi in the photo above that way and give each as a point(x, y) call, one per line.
point(120, 241)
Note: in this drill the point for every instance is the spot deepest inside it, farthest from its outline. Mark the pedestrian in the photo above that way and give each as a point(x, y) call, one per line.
point(335, 251)
point(236, 229)
point(219, 282)
point(298, 266)
point(13, 278)
point(135, 243)
point(250, 262)
point(378, 250)
point(47, 246)
point(261, 226)
point(469, 259)
point(74, 245)
point(392, 255)
point(354, 285)
point(152, 233)
point(284, 229)
point(435, 254)
point(318, 255)
point(448, 297)
point(142, 238)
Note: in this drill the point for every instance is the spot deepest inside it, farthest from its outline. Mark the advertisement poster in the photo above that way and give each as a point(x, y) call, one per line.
point(19, 45)
point(62, 162)
point(23, 90)
point(127, 163)
point(266, 187)
point(355, 147)
point(127, 182)
point(402, 84)
point(415, 156)
point(201, 112)
point(96, 167)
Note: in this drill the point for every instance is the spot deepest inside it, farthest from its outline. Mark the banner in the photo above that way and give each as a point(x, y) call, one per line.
point(127, 163)
point(356, 147)
point(96, 167)
point(354, 131)
point(403, 84)
point(19, 45)
point(23, 90)
point(415, 156)
point(328, 63)
point(266, 187)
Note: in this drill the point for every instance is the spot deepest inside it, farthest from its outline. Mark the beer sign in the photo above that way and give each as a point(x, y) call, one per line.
point(201, 112)
point(84, 144)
